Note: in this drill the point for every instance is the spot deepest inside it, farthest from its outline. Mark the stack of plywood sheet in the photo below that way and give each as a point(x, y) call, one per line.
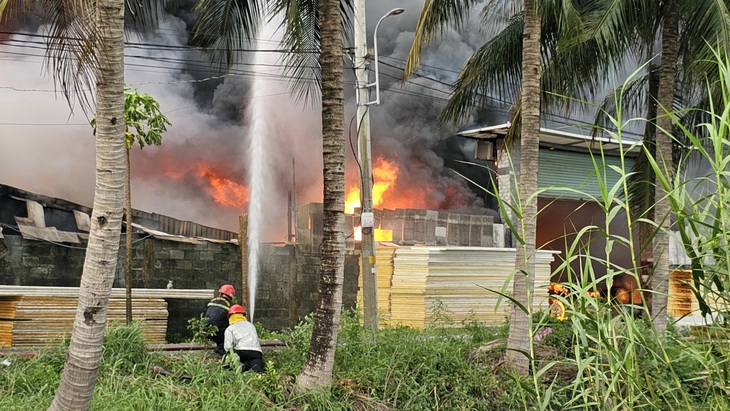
point(44, 320)
point(384, 271)
point(681, 299)
point(42, 316)
point(457, 281)
point(7, 317)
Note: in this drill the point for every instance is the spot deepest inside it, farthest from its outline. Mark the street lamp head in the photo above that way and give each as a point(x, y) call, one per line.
point(395, 11)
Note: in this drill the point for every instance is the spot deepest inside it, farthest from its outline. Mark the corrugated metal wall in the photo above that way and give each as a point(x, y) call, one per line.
point(577, 171)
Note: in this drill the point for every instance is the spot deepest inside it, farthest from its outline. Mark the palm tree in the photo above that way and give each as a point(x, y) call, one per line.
point(519, 339)
point(683, 54)
point(435, 14)
point(84, 352)
point(86, 47)
point(144, 123)
point(317, 371)
point(664, 157)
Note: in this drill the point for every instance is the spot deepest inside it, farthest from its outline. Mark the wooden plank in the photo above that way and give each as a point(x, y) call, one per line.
point(43, 320)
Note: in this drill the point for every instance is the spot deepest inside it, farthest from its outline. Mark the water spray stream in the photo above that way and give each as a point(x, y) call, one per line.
point(260, 118)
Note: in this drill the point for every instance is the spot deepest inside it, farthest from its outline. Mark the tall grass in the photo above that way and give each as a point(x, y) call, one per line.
point(611, 360)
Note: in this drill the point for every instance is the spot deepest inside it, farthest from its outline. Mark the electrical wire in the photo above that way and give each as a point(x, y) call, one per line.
point(197, 65)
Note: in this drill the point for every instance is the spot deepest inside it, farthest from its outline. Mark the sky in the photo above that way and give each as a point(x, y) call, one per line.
point(48, 148)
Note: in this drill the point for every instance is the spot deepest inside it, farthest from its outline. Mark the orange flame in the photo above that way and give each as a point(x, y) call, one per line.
point(352, 200)
point(385, 175)
point(378, 233)
point(224, 191)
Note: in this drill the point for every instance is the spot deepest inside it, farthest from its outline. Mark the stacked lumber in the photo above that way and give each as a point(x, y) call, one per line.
point(43, 316)
point(455, 282)
point(384, 272)
point(7, 316)
point(681, 299)
point(47, 320)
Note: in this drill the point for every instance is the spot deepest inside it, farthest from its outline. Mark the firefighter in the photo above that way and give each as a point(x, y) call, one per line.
point(217, 314)
point(242, 337)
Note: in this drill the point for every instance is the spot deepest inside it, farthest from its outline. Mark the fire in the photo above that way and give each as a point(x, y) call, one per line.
point(204, 177)
point(385, 175)
point(224, 191)
point(352, 200)
point(379, 234)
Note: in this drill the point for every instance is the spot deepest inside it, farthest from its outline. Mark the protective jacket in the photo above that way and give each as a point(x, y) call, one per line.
point(217, 312)
point(242, 336)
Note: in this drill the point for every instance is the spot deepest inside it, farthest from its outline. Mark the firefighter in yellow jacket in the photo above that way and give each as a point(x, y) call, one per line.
point(241, 335)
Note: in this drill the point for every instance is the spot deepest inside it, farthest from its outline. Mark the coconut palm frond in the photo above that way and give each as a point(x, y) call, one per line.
point(142, 15)
point(302, 39)
point(71, 49)
point(11, 8)
point(624, 24)
point(225, 26)
point(436, 16)
point(704, 22)
point(493, 68)
point(633, 97)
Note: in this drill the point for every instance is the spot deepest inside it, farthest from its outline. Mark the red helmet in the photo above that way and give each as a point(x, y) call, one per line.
point(236, 309)
point(227, 289)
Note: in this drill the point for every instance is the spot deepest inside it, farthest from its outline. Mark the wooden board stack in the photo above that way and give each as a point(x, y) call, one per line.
point(43, 316)
point(681, 299)
point(455, 283)
point(38, 321)
point(7, 316)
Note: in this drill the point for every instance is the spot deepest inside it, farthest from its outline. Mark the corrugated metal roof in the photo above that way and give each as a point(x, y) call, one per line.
point(563, 140)
point(77, 223)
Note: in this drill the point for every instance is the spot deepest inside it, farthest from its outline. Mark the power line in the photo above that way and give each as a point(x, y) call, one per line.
point(196, 65)
point(160, 47)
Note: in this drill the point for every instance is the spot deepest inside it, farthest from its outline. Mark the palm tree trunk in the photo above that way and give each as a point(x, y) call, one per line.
point(518, 341)
point(84, 352)
point(317, 371)
point(664, 143)
point(128, 237)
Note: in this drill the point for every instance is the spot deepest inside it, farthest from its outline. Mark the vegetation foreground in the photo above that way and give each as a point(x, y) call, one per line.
point(440, 368)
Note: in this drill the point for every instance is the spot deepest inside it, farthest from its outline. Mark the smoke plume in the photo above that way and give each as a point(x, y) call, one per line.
point(49, 149)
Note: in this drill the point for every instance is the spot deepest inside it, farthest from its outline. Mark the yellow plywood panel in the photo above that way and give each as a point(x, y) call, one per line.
point(681, 299)
point(38, 320)
point(454, 280)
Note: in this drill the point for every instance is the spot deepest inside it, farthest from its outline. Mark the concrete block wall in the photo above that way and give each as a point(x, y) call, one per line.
point(408, 226)
point(38, 263)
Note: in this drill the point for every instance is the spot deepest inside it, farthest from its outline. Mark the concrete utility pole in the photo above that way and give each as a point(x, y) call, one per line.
point(367, 273)
point(367, 220)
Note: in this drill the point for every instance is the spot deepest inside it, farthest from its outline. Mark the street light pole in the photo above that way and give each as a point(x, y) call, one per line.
point(367, 273)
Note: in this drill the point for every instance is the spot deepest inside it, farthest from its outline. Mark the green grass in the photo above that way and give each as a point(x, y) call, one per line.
point(397, 369)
